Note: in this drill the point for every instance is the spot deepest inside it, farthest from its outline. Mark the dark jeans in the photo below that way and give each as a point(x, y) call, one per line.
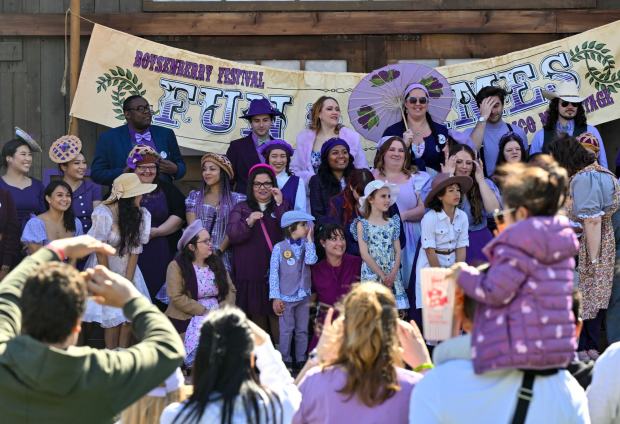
point(591, 333)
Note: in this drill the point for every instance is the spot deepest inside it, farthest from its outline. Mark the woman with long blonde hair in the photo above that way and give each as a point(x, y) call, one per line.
point(361, 378)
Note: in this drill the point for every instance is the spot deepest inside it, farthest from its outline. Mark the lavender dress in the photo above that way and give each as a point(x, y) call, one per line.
point(207, 297)
point(214, 218)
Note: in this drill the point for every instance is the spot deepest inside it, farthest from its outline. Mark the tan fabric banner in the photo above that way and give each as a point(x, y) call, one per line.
point(201, 97)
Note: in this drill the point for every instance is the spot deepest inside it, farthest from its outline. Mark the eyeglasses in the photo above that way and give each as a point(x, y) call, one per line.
point(142, 109)
point(146, 168)
point(205, 241)
point(414, 100)
point(564, 103)
point(268, 185)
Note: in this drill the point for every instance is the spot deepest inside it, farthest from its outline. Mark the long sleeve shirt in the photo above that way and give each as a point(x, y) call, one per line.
point(40, 383)
point(310, 258)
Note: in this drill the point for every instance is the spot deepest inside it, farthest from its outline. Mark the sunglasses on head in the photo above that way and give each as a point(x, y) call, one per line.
point(564, 103)
point(414, 100)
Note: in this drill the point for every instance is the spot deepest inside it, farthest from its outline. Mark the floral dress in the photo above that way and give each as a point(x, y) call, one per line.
point(207, 297)
point(380, 240)
point(595, 192)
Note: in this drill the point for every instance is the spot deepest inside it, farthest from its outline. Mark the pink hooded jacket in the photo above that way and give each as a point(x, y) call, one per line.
point(300, 164)
point(524, 316)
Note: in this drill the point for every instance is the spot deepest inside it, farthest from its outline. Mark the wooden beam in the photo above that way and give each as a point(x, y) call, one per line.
point(317, 23)
point(361, 5)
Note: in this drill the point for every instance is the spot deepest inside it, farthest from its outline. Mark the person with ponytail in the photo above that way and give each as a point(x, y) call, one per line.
point(227, 389)
point(360, 377)
point(123, 224)
point(55, 223)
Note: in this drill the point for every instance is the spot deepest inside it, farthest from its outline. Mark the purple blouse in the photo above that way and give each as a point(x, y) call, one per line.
point(82, 203)
point(28, 202)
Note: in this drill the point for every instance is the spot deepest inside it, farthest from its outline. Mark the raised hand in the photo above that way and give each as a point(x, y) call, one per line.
point(80, 246)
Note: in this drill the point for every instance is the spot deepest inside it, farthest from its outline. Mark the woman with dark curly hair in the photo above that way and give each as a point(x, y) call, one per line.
point(511, 149)
point(336, 165)
point(123, 224)
point(55, 223)
point(478, 203)
point(594, 197)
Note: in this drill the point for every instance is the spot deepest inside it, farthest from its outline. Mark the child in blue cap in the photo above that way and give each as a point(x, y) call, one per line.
point(289, 284)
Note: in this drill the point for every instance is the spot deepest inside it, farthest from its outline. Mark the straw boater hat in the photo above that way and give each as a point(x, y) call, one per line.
point(65, 149)
point(375, 185)
point(220, 160)
point(34, 146)
point(444, 180)
point(126, 186)
point(565, 90)
point(142, 153)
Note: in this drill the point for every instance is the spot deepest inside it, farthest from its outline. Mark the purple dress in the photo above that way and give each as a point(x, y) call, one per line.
point(156, 255)
point(82, 203)
point(28, 202)
point(251, 256)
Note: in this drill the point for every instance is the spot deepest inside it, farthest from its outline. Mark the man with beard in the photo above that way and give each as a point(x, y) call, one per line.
point(491, 127)
point(243, 152)
point(114, 145)
point(567, 115)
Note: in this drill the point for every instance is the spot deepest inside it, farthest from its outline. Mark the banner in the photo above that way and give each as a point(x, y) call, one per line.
point(201, 97)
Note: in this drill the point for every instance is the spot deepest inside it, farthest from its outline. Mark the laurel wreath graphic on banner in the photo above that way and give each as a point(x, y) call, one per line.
point(123, 83)
point(592, 52)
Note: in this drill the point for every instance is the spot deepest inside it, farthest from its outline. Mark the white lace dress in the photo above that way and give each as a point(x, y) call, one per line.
point(105, 228)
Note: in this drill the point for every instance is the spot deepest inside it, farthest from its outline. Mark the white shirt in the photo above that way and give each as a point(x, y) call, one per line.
point(273, 375)
point(604, 391)
point(452, 393)
point(300, 196)
point(441, 234)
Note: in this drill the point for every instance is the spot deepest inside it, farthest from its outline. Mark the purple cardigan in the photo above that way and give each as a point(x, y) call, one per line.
point(300, 164)
point(524, 318)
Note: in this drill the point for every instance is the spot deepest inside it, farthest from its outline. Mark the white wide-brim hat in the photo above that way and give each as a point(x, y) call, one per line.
point(565, 90)
point(126, 186)
point(375, 185)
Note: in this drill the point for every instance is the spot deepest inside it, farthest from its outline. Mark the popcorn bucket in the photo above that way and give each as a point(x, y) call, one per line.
point(438, 293)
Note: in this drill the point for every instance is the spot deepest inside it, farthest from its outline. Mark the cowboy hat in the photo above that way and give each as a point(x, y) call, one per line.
point(565, 90)
point(443, 180)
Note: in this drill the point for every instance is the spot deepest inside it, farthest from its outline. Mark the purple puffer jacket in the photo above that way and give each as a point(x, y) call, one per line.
point(524, 317)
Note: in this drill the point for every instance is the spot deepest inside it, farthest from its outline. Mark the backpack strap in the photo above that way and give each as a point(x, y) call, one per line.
point(524, 397)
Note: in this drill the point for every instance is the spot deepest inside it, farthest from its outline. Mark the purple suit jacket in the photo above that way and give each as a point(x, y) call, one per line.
point(243, 155)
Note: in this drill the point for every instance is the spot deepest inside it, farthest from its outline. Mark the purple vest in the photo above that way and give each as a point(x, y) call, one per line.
point(289, 191)
point(294, 274)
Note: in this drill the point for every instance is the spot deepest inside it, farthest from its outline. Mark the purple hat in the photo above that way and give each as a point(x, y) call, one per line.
point(275, 144)
point(260, 107)
point(331, 143)
point(413, 87)
point(189, 233)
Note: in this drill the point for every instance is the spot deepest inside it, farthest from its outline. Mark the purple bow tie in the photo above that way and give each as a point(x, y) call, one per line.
point(143, 138)
point(297, 242)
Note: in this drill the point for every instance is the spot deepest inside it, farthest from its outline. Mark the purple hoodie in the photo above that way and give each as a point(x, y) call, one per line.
point(524, 317)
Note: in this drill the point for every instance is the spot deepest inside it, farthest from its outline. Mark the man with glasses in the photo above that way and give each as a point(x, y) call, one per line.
point(491, 127)
point(115, 144)
point(566, 115)
point(243, 152)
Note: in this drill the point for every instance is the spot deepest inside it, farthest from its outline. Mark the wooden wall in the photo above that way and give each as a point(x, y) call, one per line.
point(367, 34)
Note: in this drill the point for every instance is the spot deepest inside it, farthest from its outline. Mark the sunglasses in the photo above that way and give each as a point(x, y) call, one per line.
point(564, 103)
point(500, 218)
point(415, 100)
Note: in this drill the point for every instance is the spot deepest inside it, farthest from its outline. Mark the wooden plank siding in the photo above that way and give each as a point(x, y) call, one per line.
point(319, 23)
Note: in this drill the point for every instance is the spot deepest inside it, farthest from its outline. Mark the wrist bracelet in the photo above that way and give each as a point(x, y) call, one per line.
point(424, 366)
